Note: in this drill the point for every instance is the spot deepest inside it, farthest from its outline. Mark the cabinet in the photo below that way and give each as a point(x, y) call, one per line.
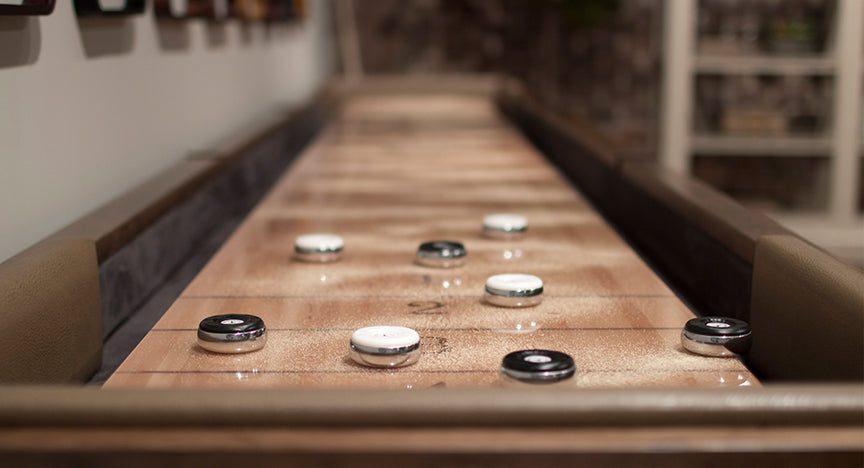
point(763, 99)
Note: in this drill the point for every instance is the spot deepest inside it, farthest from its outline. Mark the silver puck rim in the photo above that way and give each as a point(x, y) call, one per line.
point(711, 339)
point(515, 293)
point(231, 337)
point(445, 262)
point(384, 361)
point(458, 251)
point(514, 301)
point(248, 342)
point(711, 346)
point(377, 351)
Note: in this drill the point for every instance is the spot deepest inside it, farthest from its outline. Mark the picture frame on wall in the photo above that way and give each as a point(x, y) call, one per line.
point(216, 10)
point(26, 7)
point(84, 8)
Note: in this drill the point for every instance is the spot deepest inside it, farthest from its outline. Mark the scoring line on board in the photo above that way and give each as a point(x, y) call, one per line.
point(450, 329)
point(358, 371)
point(323, 297)
point(414, 371)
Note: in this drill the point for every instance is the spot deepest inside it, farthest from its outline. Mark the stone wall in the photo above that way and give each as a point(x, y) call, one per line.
point(596, 59)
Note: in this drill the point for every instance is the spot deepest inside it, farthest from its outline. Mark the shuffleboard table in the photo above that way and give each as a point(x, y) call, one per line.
point(394, 172)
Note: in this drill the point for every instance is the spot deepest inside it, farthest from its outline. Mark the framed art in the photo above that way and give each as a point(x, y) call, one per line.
point(26, 7)
point(109, 7)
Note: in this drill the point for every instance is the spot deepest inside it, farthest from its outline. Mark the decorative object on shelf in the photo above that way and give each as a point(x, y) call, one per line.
point(249, 10)
point(185, 9)
point(725, 32)
point(584, 12)
point(28, 7)
point(744, 121)
point(767, 105)
point(751, 28)
point(281, 10)
point(299, 9)
point(807, 66)
point(791, 36)
point(109, 8)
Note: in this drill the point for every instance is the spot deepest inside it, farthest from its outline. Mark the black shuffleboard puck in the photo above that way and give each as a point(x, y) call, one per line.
point(716, 336)
point(441, 254)
point(232, 333)
point(538, 366)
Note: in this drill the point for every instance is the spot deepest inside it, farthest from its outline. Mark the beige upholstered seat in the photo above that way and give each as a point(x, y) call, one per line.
point(807, 313)
point(50, 311)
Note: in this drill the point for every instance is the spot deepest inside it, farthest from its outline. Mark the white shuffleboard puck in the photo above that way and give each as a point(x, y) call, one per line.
point(441, 254)
point(232, 333)
point(385, 346)
point(716, 336)
point(514, 290)
point(318, 248)
point(504, 226)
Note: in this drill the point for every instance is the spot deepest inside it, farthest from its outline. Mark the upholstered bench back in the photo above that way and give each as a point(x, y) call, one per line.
point(807, 313)
point(51, 319)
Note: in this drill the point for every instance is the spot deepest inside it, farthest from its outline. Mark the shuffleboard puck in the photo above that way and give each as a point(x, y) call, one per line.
point(318, 248)
point(504, 226)
point(514, 290)
point(716, 336)
point(441, 254)
point(385, 346)
point(538, 366)
point(232, 333)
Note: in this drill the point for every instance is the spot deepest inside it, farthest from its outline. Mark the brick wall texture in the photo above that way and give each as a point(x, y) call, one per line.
point(597, 59)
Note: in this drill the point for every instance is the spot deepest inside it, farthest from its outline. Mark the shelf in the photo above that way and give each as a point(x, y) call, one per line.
point(845, 240)
point(742, 145)
point(832, 154)
point(822, 230)
point(764, 65)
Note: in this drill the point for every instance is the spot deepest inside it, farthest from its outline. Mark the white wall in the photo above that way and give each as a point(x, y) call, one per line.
point(90, 108)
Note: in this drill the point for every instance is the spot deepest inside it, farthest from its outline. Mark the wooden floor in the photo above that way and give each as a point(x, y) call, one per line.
point(393, 172)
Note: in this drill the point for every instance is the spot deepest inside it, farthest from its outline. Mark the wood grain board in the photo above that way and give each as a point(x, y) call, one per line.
point(391, 172)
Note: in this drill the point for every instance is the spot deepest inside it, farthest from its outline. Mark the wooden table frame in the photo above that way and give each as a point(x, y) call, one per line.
point(801, 425)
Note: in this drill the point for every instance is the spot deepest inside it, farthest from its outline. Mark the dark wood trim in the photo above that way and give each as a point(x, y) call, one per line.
point(835, 405)
point(116, 223)
point(734, 225)
point(420, 83)
point(514, 102)
point(699, 239)
point(807, 425)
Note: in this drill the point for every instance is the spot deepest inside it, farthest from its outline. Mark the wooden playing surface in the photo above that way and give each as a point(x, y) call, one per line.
point(394, 171)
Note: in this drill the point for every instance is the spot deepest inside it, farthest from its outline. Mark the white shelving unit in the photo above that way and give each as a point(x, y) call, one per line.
point(757, 64)
point(733, 145)
point(840, 226)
